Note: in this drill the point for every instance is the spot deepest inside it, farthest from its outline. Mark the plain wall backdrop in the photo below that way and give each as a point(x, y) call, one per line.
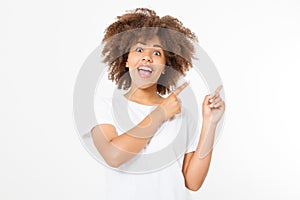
point(255, 46)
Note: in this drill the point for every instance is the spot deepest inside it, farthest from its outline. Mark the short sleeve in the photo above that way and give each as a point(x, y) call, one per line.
point(103, 110)
point(193, 132)
point(194, 144)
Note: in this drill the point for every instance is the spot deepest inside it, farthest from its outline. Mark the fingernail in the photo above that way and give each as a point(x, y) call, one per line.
point(211, 100)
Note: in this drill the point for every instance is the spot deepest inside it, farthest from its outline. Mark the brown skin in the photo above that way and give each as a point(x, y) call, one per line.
point(116, 50)
point(147, 92)
point(196, 164)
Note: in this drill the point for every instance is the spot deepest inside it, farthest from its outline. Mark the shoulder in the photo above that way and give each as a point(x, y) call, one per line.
point(106, 99)
point(190, 115)
point(100, 101)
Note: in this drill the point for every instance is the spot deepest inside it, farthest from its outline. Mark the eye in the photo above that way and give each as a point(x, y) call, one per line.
point(157, 53)
point(139, 49)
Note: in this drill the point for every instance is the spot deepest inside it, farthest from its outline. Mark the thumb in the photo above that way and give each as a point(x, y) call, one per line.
point(207, 98)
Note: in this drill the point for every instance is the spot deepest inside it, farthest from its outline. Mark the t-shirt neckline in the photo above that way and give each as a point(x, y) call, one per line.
point(139, 104)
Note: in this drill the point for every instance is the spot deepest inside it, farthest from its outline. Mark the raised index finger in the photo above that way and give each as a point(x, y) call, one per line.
point(217, 91)
point(180, 88)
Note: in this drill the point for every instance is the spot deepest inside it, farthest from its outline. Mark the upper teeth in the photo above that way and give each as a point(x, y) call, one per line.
point(145, 68)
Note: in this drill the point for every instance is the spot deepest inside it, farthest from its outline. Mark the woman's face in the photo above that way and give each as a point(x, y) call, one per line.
point(146, 62)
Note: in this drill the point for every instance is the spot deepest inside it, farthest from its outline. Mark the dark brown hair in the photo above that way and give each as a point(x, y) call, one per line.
point(144, 23)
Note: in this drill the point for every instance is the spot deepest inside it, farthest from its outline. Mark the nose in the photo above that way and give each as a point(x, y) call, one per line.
point(146, 57)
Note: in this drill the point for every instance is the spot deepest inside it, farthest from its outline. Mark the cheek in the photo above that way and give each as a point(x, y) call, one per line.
point(160, 62)
point(132, 60)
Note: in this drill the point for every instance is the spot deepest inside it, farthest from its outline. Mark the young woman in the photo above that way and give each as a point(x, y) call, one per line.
point(147, 55)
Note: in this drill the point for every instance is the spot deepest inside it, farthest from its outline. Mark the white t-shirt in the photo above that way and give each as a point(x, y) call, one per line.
point(156, 173)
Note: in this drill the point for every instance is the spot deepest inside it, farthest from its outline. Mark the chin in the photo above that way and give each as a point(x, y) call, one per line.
point(144, 83)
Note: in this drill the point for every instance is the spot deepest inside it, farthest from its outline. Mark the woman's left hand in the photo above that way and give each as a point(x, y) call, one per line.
point(213, 107)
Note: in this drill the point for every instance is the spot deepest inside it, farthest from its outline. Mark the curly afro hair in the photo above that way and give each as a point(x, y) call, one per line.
point(143, 23)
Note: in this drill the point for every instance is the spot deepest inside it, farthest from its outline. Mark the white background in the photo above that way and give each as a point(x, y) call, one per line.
point(255, 46)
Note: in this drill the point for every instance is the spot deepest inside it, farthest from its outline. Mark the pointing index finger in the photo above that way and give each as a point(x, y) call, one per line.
point(180, 88)
point(217, 91)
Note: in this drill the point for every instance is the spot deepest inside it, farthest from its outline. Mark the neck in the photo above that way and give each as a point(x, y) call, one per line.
point(146, 96)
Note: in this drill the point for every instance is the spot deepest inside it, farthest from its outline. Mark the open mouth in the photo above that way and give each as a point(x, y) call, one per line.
point(145, 71)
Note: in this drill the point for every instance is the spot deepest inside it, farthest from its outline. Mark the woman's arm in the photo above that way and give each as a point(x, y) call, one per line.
point(196, 164)
point(118, 149)
point(115, 149)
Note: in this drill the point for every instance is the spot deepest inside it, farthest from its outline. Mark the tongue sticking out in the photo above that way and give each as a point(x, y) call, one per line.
point(144, 73)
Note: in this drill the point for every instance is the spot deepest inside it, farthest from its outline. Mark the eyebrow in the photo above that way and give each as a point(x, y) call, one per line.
point(155, 45)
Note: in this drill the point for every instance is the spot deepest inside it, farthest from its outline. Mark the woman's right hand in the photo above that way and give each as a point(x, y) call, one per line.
point(172, 104)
